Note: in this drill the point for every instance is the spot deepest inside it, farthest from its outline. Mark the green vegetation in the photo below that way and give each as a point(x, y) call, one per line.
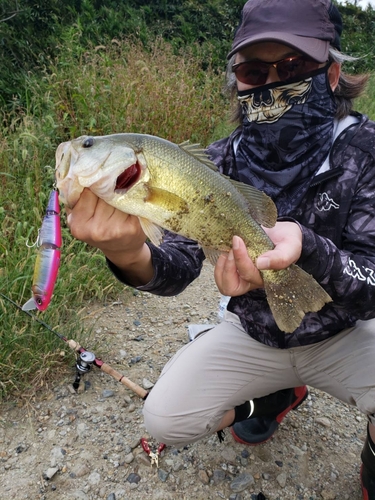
point(91, 67)
point(121, 87)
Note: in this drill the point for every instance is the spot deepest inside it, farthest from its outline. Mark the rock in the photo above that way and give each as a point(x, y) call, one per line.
point(202, 474)
point(281, 479)
point(229, 455)
point(80, 470)
point(94, 478)
point(133, 478)
point(325, 422)
point(147, 384)
point(328, 495)
point(163, 475)
point(50, 472)
point(241, 482)
point(218, 476)
point(57, 455)
point(128, 459)
point(107, 394)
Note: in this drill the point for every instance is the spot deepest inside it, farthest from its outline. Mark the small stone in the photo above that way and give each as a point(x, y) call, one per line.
point(281, 479)
point(328, 495)
point(241, 482)
point(202, 474)
point(229, 455)
point(50, 472)
point(133, 478)
point(135, 360)
point(94, 478)
point(111, 496)
point(80, 470)
point(163, 475)
point(57, 455)
point(218, 476)
point(129, 458)
point(107, 393)
point(325, 422)
point(147, 384)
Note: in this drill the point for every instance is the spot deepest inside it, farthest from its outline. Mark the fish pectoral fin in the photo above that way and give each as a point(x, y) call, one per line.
point(170, 202)
point(261, 208)
point(153, 232)
point(211, 255)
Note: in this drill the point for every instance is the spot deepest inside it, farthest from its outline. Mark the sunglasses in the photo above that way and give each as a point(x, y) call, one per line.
point(256, 72)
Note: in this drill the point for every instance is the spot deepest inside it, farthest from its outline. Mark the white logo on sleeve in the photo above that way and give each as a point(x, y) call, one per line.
point(360, 274)
point(325, 203)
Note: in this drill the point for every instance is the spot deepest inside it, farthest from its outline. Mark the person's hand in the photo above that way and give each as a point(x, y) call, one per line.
point(236, 274)
point(118, 235)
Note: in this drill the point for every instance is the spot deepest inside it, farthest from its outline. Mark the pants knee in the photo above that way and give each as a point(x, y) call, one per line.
point(174, 428)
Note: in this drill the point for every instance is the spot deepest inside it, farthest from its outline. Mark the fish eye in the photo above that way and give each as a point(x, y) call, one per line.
point(87, 143)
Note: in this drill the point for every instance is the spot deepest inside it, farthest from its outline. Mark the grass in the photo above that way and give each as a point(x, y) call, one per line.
point(366, 103)
point(119, 88)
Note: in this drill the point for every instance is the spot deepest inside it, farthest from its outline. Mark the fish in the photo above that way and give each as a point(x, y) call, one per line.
point(176, 187)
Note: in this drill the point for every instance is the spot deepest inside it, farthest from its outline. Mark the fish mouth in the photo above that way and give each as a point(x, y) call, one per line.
point(128, 178)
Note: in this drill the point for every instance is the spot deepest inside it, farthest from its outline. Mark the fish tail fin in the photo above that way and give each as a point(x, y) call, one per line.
point(291, 293)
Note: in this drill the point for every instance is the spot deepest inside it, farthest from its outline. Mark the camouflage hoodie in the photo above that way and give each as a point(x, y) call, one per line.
point(337, 218)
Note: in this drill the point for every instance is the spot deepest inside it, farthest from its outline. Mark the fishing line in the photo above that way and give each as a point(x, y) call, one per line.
point(86, 359)
point(35, 318)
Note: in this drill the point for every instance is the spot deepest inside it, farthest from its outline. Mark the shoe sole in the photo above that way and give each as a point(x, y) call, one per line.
point(276, 424)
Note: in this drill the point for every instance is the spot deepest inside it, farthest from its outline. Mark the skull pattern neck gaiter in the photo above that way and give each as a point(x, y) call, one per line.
point(287, 133)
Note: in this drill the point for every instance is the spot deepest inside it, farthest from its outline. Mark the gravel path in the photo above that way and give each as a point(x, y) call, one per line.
point(86, 446)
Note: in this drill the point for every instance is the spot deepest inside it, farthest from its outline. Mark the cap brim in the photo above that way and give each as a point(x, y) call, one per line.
point(312, 47)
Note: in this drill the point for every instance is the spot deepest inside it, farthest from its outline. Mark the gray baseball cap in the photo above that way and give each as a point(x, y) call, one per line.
point(309, 26)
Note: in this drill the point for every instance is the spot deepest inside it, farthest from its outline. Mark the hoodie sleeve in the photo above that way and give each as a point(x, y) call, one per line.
point(347, 271)
point(177, 262)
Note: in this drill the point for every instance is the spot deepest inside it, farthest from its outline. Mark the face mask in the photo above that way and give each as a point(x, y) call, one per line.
point(287, 134)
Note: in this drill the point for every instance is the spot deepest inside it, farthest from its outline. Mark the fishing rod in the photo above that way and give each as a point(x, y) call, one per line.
point(85, 358)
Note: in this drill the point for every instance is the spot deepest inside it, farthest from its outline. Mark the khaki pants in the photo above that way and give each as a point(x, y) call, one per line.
point(224, 367)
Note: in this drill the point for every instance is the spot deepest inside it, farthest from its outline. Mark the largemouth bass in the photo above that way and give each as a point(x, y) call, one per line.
point(176, 187)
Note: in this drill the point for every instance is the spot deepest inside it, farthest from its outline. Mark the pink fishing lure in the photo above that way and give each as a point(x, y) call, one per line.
point(48, 258)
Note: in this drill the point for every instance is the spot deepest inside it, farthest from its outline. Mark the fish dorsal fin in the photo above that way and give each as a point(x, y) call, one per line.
point(153, 232)
point(261, 207)
point(198, 152)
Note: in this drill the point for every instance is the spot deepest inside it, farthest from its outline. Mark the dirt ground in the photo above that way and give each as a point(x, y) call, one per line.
point(86, 445)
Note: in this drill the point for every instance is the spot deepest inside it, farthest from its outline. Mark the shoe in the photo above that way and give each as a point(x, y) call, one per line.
point(368, 484)
point(270, 411)
point(368, 469)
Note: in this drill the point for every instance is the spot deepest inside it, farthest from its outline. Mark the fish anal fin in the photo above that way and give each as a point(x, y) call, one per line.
point(260, 206)
point(153, 232)
point(212, 255)
point(292, 295)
